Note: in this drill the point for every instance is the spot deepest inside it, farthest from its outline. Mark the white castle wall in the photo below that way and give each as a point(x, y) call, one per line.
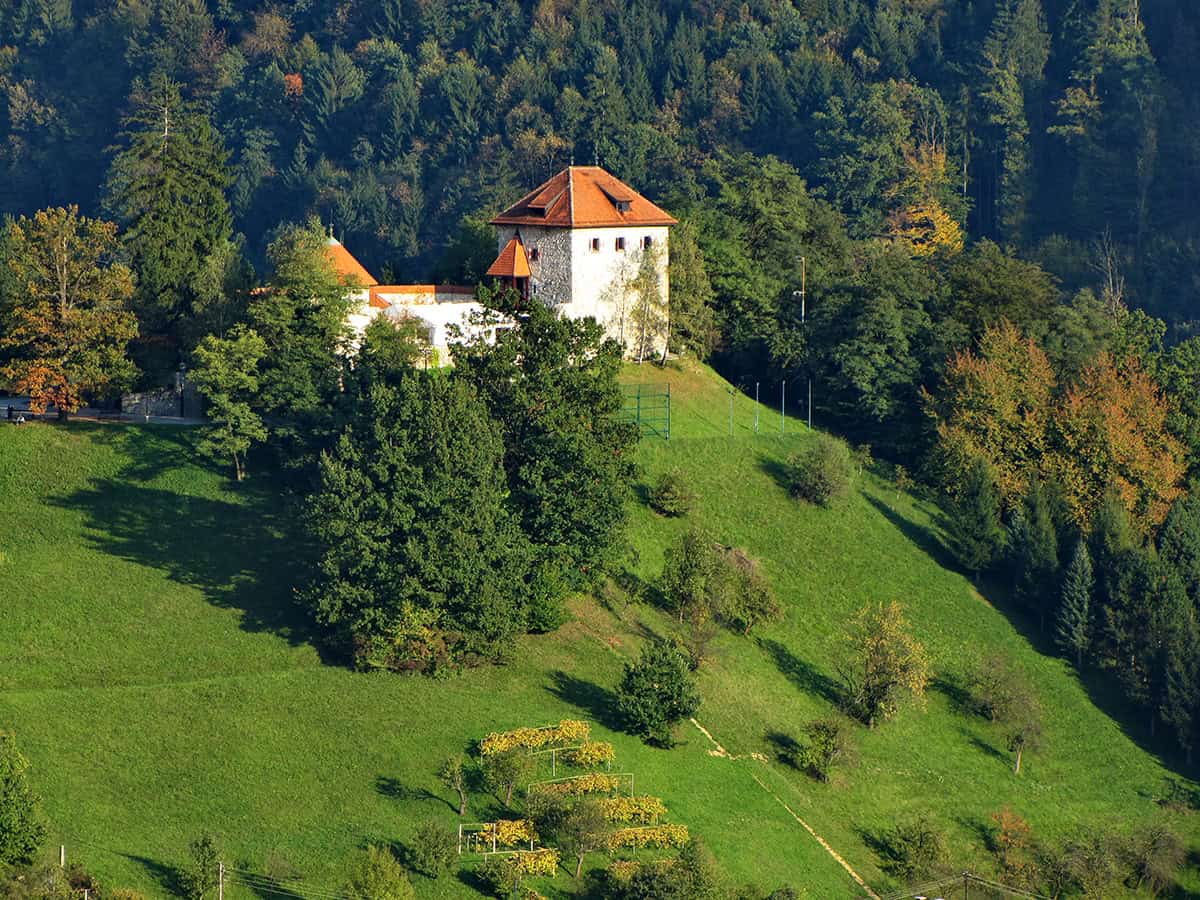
point(569, 275)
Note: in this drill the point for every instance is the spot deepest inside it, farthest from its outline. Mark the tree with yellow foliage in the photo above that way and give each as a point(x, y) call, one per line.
point(1110, 432)
point(994, 404)
point(65, 327)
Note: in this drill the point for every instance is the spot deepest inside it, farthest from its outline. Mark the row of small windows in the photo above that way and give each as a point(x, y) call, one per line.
point(619, 244)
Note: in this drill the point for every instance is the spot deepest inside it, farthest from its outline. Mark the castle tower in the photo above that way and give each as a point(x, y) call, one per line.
point(579, 242)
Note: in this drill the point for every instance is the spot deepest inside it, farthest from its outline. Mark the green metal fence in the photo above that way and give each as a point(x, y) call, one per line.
point(649, 407)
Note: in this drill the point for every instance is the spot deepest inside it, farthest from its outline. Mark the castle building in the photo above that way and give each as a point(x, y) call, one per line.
point(583, 243)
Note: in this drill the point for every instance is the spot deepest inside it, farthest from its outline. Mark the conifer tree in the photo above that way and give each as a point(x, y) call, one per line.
point(1074, 613)
point(976, 530)
point(1035, 552)
point(167, 187)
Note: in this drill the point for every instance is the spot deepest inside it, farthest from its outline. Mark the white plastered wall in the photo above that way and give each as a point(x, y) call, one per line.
point(579, 281)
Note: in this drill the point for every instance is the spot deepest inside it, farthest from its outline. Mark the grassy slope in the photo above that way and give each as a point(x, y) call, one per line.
point(153, 672)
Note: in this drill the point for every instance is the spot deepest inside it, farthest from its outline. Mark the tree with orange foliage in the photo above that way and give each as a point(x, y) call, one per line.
point(1111, 432)
point(66, 324)
point(995, 404)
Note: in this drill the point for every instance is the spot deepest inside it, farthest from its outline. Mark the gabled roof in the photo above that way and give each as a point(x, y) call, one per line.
point(346, 265)
point(512, 261)
point(583, 197)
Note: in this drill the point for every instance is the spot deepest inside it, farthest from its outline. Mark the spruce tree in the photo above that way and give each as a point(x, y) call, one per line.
point(167, 187)
point(1035, 552)
point(1179, 543)
point(1074, 613)
point(976, 531)
point(1181, 703)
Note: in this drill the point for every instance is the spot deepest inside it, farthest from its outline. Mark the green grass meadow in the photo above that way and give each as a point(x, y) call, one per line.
point(159, 677)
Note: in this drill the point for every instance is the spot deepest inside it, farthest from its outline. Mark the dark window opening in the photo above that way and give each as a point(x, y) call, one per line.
point(534, 254)
point(620, 243)
point(647, 241)
point(595, 245)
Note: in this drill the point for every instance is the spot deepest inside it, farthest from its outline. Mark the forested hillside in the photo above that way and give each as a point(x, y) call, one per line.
point(1041, 124)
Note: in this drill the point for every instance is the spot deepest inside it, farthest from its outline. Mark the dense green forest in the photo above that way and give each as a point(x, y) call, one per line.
point(1045, 125)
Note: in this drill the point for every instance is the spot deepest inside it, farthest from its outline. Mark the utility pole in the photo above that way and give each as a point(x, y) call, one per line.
point(756, 407)
point(220, 881)
point(731, 412)
point(803, 294)
point(782, 404)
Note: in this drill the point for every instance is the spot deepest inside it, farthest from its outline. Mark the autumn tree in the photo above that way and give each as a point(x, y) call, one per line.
point(225, 371)
point(1110, 431)
point(879, 662)
point(65, 326)
point(994, 404)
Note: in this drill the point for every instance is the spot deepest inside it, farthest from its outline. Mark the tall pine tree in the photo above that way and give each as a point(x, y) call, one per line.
point(977, 534)
point(167, 187)
point(1075, 612)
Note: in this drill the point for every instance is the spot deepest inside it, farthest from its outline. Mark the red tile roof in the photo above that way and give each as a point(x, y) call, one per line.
point(512, 261)
point(346, 265)
point(583, 197)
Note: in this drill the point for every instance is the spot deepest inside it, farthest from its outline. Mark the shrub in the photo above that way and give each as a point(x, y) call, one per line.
point(656, 692)
point(827, 743)
point(671, 496)
point(567, 731)
point(21, 827)
point(509, 832)
point(653, 836)
point(505, 874)
point(434, 848)
point(379, 876)
point(745, 596)
point(914, 849)
point(821, 472)
point(591, 753)
point(200, 879)
point(643, 810)
point(592, 783)
point(880, 661)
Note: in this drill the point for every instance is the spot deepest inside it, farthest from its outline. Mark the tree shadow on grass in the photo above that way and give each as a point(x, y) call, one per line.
point(985, 747)
point(954, 688)
point(395, 789)
point(777, 471)
point(599, 702)
point(927, 539)
point(241, 555)
point(786, 747)
point(801, 673)
point(171, 878)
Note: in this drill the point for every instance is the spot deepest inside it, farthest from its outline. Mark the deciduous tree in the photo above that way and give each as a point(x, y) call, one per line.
point(879, 662)
point(22, 828)
point(656, 692)
point(65, 326)
point(225, 371)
